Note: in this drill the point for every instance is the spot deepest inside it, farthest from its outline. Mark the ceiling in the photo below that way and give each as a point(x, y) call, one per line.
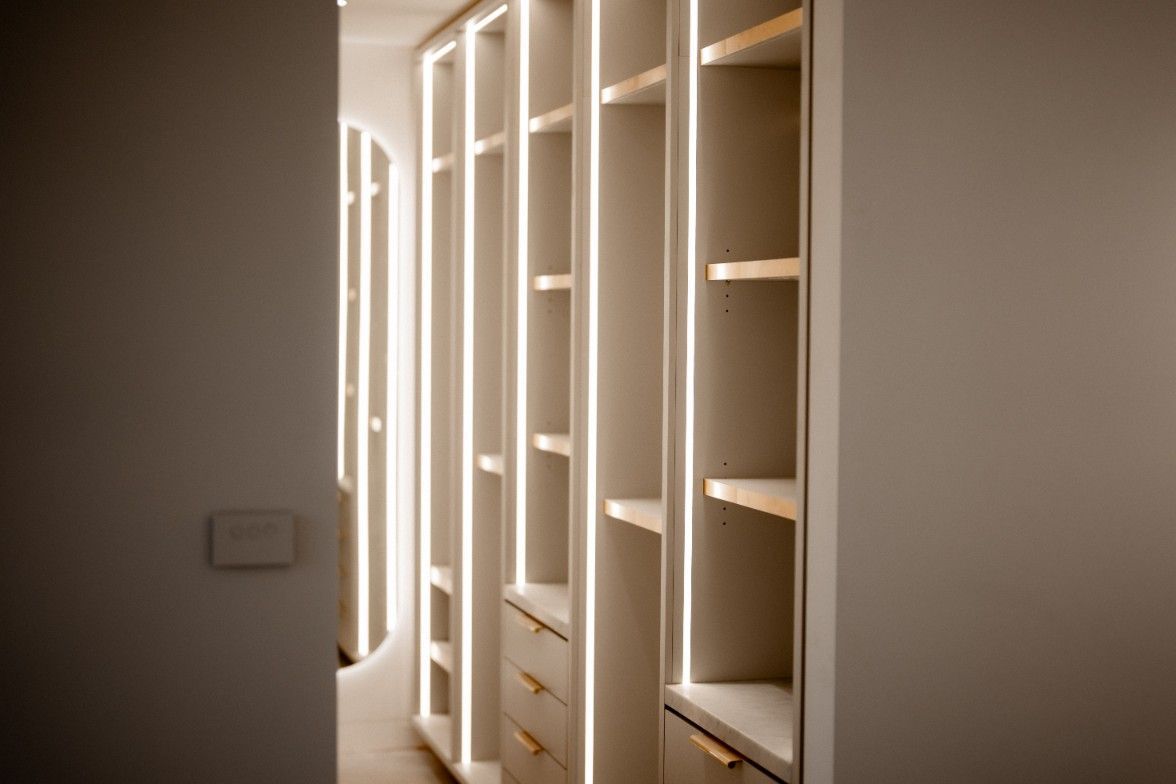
point(394, 22)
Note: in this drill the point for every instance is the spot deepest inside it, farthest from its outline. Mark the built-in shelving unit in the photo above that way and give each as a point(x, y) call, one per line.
point(617, 276)
point(740, 409)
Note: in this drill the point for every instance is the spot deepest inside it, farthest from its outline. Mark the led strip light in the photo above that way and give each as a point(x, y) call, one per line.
point(363, 397)
point(522, 276)
point(691, 296)
point(593, 505)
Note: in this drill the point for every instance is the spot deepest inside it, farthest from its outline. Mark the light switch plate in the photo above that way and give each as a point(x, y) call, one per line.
point(242, 539)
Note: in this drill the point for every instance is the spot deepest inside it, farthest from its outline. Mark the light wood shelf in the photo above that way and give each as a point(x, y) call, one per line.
point(441, 652)
point(648, 87)
point(753, 717)
point(562, 282)
point(642, 512)
point(773, 496)
point(774, 43)
point(441, 578)
point(556, 121)
point(490, 463)
point(546, 602)
point(761, 269)
point(443, 163)
point(556, 443)
point(491, 145)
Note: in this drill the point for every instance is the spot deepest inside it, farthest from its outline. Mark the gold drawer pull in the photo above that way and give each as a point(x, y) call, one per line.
point(716, 751)
point(529, 623)
point(529, 683)
point(527, 742)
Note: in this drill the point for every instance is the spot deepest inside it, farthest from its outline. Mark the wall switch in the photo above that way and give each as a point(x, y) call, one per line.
point(252, 539)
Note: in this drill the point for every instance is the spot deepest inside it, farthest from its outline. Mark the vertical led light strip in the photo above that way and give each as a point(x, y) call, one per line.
point(392, 404)
point(522, 295)
point(363, 394)
point(425, 529)
point(467, 405)
point(593, 505)
point(341, 457)
point(691, 294)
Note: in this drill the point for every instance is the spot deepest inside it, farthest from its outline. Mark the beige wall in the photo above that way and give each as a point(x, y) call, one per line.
point(169, 332)
point(999, 354)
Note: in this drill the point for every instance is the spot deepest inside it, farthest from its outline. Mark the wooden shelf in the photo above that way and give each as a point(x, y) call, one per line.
point(443, 163)
point(642, 512)
point(546, 602)
point(491, 145)
point(491, 464)
point(552, 282)
point(441, 652)
point(774, 43)
point(644, 88)
point(556, 121)
point(773, 496)
point(441, 578)
point(762, 269)
point(752, 717)
point(556, 443)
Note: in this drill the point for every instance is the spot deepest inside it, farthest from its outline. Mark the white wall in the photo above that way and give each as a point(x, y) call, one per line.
point(375, 696)
point(994, 353)
point(169, 334)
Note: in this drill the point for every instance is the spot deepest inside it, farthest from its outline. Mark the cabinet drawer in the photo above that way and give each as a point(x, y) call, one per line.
point(527, 701)
point(687, 763)
point(528, 765)
point(535, 649)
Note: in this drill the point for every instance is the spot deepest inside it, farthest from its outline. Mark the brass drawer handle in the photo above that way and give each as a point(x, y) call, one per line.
point(529, 683)
point(527, 742)
point(529, 623)
point(717, 751)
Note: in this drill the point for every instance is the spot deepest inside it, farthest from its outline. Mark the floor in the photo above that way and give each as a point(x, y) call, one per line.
point(412, 766)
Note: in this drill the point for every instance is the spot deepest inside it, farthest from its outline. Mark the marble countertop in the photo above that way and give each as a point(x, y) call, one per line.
point(752, 717)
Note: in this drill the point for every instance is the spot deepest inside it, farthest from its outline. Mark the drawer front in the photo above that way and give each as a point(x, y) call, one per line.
point(536, 649)
point(686, 763)
point(525, 766)
point(533, 708)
